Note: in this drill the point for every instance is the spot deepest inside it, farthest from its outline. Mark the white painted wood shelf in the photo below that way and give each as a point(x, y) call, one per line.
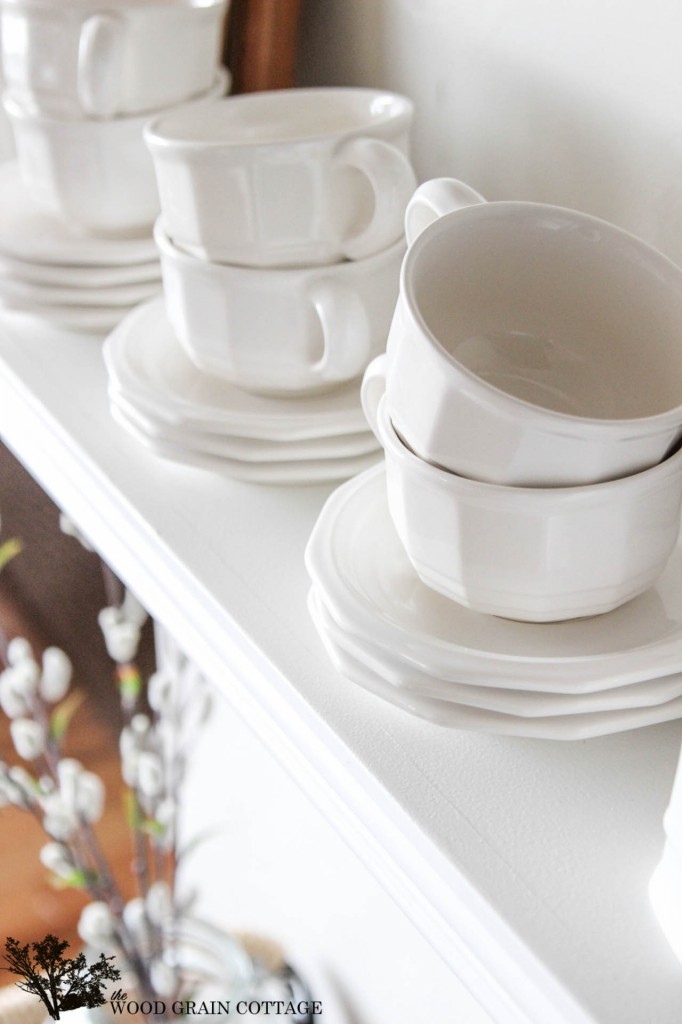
point(525, 863)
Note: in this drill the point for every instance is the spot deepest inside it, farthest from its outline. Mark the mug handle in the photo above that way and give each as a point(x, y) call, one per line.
point(371, 391)
point(392, 179)
point(435, 198)
point(345, 330)
point(100, 62)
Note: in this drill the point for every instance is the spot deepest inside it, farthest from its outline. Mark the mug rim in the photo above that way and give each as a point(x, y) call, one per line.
point(489, 394)
point(400, 114)
point(17, 109)
point(384, 258)
point(631, 484)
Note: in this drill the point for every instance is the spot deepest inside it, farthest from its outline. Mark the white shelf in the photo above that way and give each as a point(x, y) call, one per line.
point(524, 862)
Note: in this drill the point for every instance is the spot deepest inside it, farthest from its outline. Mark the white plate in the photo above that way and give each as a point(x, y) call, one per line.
point(146, 363)
point(53, 275)
point(32, 234)
point(304, 471)
point(28, 295)
point(96, 320)
point(395, 670)
point(246, 449)
point(458, 716)
point(358, 564)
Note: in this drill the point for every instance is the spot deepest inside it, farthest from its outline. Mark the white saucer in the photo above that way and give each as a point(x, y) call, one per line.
point(246, 449)
point(407, 679)
point(358, 565)
point(459, 716)
point(91, 319)
point(303, 471)
point(30, 233)
point(146, 363)
point(54, 275)
point(29, 294)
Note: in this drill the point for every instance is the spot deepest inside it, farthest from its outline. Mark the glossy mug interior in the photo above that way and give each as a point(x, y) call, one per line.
point(107, 58)
point(532, 345)
point(293, 177)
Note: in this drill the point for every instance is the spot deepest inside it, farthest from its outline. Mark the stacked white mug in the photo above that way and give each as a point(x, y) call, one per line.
point(281, 234)
point(81, 79)
point(530, 406)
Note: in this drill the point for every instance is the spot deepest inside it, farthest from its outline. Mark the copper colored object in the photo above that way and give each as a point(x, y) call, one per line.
point(261, 41)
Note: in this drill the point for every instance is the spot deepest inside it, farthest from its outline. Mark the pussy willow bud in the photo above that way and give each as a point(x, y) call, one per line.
point(69, 771)
point(19, 649)
point(28, 738)
point(22, 787)
point(135, 919)
point(17, 686)
point(90, 796)
point(150, 774)
point(55, 857)
point(160, 692)
point(96, 926)
point(60, 822)
point(56, 675)
point(159, 903)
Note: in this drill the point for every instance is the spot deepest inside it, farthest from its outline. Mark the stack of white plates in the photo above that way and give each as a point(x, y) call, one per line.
point(50, 269)
point(390, 633)
point(183, 414)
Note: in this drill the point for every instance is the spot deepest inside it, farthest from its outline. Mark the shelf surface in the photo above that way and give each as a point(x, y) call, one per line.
point(525, 862)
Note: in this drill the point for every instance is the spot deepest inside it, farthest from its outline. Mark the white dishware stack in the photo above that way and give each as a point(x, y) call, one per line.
point(529, 405)
point(281, 238)
point(81, 79)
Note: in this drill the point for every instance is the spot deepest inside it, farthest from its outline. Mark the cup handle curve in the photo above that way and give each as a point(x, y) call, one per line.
point(371, 391)
point(435, 198)
point(345, 330)
point(392, 179)
point(100, 60)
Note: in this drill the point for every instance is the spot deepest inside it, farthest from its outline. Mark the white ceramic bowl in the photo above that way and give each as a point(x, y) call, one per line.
point(533, 345)
point(292, 177)
point(96, 174)
point(89, 59)
point(284, 331)
point(534, 554)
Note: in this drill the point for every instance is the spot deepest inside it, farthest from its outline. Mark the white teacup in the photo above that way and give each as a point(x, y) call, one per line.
point(106, 58)
point(532, 345)
point(284, 331)
point(292, 177)
point(96, 174)
point(530, 553)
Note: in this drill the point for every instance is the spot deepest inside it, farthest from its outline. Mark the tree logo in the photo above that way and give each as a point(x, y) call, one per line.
point(62, 984)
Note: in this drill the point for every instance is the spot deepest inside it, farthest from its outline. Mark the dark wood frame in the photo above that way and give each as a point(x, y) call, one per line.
point(260, 44)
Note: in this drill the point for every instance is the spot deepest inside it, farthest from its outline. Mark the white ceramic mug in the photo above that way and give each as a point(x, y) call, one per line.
point(285, 331)
point(107, 58)
point(95, 174)
point(287, 178)
point(532, 345)
point(536, 554)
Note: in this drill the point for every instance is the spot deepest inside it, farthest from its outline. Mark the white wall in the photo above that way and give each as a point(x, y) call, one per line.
point(6, 138)
point(576, 102)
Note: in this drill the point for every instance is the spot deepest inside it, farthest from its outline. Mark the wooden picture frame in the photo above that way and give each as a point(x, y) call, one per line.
point(260, 44)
